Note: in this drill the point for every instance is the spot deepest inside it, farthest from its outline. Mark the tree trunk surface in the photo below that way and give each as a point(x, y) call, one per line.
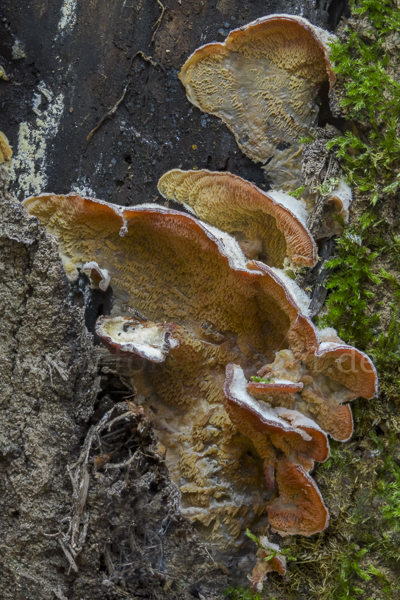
point(68, 531)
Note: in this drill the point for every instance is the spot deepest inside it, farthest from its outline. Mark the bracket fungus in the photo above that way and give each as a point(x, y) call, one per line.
point(268, 226)
point(340, 198)
point(269, 558)
point(5, 150)
point(263, 82)
point(135, 338)
point(99, 277)
point(240, 454)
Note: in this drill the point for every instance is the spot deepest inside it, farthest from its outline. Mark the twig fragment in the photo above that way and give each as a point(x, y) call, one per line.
point(122, 464)
point(72, 563)
point(158, 23)
point(108, 114)
point(113, 110)
point(72, 542)
point(154, 63)
point(53, 364)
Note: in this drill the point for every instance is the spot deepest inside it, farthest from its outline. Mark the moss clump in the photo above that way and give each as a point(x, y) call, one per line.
point(363, 304)
point(364, 276)
point(370, 153)
point(241, 593)
point(347, 304)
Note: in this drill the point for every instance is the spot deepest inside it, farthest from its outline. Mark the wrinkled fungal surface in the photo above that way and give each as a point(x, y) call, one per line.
point(267, 226)
point(289, 443)
point(263, 82)
point(239, 460)
point(312, 388)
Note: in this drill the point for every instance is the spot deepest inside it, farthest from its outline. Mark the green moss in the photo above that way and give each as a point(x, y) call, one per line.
point(358, 286)
point(370, 155)
point(298, 192)
point(347, 303)
point(241, 593)
point(372, 97)
point(328, 186)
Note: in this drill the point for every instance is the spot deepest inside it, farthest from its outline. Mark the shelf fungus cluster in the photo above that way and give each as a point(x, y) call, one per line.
point(266, 82)
point(243, 391)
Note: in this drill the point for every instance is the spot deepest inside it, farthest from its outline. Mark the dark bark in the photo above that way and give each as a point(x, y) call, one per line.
point(88, 65)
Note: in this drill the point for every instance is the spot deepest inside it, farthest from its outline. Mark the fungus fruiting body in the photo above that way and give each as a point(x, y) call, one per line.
point(263, 82)
point(135, 338)
point(241, 454)
point(5, 150)
point(289, 443)
point(269, 559)
point(267, 226)
point(99, 277)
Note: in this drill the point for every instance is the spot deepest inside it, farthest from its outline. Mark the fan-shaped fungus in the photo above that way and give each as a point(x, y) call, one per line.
point(269, 559)
point(267, 226)
point(263, 82)
point(99, 277)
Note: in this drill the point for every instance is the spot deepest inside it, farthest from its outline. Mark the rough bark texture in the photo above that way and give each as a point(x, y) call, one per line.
point(55, 386)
